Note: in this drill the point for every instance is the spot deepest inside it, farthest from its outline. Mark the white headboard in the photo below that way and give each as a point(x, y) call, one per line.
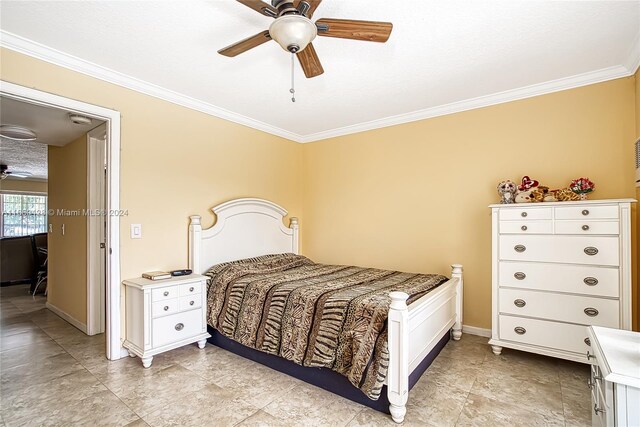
point(245, 228)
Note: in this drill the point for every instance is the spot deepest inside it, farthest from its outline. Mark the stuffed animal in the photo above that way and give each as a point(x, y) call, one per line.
point(566, 195)
point(524, 196)
point(507, 191)
point(539, 193)
point(527, 184)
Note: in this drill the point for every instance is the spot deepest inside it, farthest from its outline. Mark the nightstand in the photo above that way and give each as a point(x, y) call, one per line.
point(164, 314)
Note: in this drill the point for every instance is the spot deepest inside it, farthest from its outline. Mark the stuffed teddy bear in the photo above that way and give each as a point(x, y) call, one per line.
point(507, 191)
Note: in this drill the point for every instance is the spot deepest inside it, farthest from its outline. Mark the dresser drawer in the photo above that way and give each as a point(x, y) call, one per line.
point(577, 279)
point(554, 335)
point(526, 227)
point(525, 213)
point(595, 250)
point(189, 302)
point(162, 294)
point(587, 227)
point(561, 307)
point(190, 289)
point(587, 212)
point(163, 308)
point(170, 329)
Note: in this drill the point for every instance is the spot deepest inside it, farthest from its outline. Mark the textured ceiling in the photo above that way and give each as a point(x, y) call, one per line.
point(440, 52)
point(24, 156)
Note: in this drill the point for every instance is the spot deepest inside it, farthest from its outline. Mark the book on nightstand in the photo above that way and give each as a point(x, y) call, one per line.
point(156, 275)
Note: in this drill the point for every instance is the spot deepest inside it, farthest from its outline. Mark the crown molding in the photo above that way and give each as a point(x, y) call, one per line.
point(572, 82)
point(53, 56)
point(45, 53)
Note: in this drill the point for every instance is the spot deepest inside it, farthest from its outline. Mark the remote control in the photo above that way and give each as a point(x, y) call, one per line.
point(184, 272)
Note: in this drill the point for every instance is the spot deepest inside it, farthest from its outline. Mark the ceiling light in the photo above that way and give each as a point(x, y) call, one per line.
point(293, 32)
point(17, 133)
point(79, 120)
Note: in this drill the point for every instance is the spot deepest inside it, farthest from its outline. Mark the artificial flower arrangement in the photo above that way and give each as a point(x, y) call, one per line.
point(530, 191)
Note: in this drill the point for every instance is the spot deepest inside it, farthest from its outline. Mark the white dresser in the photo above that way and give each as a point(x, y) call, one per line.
point(558, 268)
point(615, 377)
point(164, 314)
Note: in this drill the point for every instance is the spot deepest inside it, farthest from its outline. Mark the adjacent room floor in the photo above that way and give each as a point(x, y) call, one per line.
point(52, 374)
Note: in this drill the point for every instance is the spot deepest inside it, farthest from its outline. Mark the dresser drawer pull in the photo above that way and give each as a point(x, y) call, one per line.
point(166, 308)
point(591, 312)
point(590, 356)
point(587, 341)
point(191, 302)
point(179, 326)
point(585, 212)
point(590, 250)
point(520, 330)
point(598, 410)
point(590, 281)
point(523, 214)
point(521, 248)
point(191, 289)
point(585, 227)
point(520, 303)
point(519, 275)
point(166, 293)
point(524, 228)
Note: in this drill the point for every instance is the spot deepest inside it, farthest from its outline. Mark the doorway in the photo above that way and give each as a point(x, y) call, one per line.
point(104, 228)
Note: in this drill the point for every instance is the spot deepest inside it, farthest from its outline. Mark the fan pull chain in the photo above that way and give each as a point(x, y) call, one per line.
point(292, 90)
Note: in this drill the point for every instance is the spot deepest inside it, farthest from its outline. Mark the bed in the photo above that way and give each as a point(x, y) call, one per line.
point(254, 229)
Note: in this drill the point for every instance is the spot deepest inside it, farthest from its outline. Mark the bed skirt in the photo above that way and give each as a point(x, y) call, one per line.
point(323, 377)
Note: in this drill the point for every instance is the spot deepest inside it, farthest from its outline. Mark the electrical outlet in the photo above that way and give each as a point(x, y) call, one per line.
point(136, 231)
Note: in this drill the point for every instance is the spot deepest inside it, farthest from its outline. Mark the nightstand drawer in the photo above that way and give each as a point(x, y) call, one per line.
point(190, 289)
point(161, 294)
point(526, 227)
point(588, 227)
point(525, 213)
point(189, 302)
point(163, 308)
point(170, 329)
point(587, 212)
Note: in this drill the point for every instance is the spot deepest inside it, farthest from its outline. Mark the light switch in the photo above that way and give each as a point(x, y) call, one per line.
point(136, 231)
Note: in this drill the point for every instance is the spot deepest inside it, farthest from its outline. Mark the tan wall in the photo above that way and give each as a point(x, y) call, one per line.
point(414, 197)
point(23, 185)
point(67, 275)
point(637, 234)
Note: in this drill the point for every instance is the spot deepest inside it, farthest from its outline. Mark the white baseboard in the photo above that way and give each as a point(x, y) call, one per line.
point(473, 330)
point(66, 316)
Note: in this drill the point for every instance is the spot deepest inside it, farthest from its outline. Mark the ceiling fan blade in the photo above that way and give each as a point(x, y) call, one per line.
point(310, 62)
point(246, 44)
point(260, 7)
point(313, 5)
point(370, 31)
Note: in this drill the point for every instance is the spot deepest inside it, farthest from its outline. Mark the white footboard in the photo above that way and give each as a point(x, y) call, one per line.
point(415, 330)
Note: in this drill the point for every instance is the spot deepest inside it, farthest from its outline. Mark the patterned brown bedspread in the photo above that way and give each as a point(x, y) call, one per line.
point(319, 315)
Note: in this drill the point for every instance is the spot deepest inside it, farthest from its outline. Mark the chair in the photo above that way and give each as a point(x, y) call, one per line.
point(40, 255)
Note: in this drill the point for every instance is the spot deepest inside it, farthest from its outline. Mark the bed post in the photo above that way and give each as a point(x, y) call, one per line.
point(293, 224)
point(195, 234)
point(398, 372)
point(456, 273)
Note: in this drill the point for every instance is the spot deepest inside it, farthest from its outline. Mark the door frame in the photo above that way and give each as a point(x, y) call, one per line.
point(114, 349)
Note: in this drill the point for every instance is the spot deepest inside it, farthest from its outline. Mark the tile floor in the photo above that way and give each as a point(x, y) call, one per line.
point(53, 375)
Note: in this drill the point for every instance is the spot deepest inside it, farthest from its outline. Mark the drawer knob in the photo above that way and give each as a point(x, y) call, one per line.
point(585, 212)
point(191, 302)
point(590, 281)
point(523, 214)
point(521, 248)
point(166, 293)
point(585, 227)
point(179, 326)
point(587, 341)
point(590, 356)
point(520, 330)
point(519, 275)
point(591, 312)
point(597, 410)
point(166, 308)
point(590, 250)
point(524, 228)
point(520, 303)
point(191, 289)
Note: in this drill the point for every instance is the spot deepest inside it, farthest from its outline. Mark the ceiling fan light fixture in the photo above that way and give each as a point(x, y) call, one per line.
point(17, 133)
point(293, 32)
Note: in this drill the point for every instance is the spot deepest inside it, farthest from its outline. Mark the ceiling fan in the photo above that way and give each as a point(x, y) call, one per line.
point(5, 172)
point(294, 31)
